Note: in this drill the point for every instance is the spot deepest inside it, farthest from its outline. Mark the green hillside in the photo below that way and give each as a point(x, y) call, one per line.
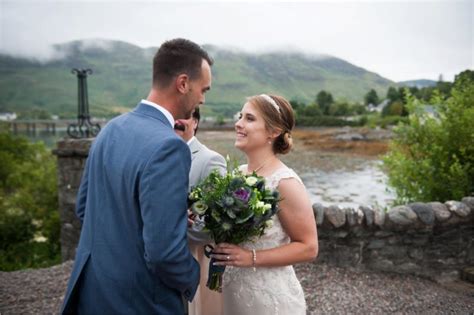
point(122, 74)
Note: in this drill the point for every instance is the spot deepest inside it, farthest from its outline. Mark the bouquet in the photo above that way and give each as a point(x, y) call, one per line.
point(232, 208)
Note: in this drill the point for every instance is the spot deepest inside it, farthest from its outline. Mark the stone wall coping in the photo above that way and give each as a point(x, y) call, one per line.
point(413, 216)
point(68, 147)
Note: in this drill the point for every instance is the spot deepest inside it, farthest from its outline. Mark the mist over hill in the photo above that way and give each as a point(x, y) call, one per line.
point(122, 75)
point(421, 83)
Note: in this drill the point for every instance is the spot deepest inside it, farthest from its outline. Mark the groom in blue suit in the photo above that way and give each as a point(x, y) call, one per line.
point(133, 255)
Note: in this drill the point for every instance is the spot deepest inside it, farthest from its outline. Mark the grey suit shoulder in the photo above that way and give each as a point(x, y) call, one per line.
point(204, 161)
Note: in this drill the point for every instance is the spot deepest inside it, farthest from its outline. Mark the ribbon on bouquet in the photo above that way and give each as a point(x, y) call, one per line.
point(214, 277)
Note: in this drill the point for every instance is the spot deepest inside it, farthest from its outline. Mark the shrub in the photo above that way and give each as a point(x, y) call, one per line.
point(29, 219)
point(432, 156)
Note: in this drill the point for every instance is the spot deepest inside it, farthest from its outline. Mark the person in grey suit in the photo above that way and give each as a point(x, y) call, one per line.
point(204, 161)
point(133, 255)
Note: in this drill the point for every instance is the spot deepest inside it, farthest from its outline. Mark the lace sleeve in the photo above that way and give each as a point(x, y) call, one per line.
point(280, 174)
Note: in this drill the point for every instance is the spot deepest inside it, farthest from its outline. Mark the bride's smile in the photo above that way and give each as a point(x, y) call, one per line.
point(251, 132)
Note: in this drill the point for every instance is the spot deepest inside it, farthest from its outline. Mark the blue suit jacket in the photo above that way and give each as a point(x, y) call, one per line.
point(133, 255)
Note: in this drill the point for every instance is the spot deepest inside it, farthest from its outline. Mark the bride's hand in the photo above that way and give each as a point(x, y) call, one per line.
point(232, 255)
point(191, 218)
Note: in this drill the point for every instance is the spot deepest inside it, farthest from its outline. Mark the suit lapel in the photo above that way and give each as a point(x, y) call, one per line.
point(195, 147)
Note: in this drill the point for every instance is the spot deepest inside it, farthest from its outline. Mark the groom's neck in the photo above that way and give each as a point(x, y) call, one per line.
point(165, 99)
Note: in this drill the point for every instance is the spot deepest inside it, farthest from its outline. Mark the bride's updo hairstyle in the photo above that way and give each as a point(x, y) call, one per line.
point(278, 116)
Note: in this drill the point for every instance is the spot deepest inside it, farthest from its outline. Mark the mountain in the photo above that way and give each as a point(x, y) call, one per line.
point(122, 74)
point(421, 83)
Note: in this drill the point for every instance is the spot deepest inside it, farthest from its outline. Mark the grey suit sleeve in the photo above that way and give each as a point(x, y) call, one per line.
point(216, 161)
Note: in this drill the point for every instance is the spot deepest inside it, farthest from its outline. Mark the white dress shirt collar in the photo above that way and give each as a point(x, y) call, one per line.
point(161, 109)
point(191, 140)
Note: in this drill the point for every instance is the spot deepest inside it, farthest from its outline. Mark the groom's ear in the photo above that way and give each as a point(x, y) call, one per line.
point(182, 83)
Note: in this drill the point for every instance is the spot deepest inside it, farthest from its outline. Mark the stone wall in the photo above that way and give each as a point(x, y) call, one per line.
point(434, 240)
point(72, 155)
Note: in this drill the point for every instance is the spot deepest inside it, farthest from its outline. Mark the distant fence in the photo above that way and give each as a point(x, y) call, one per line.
point(434, 240)
point(34, 126)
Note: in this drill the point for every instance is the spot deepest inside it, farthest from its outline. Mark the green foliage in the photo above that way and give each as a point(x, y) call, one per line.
point(34, 113)
point(396, 108)
point(310, 111)
point(29, 219)
point(432, 156)
point(220, 121)
point(324, 100)
point(371, 98)
point(384, 121)
point(358, 109)
point(327, 121)
point(297, 105)
point(394, 95)
point(339, 109)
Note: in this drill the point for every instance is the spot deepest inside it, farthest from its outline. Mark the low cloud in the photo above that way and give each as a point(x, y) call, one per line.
point(46, 53)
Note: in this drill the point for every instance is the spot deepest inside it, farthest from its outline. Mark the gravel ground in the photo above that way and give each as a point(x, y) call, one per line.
point(329, 290)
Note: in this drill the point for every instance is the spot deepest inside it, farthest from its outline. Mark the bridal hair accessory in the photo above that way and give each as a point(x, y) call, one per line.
point(271, 101)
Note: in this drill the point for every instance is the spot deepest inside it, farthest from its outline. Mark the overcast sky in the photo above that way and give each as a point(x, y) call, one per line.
point(400, 40)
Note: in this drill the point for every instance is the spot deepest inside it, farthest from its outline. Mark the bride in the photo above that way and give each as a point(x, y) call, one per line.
point(259, 278)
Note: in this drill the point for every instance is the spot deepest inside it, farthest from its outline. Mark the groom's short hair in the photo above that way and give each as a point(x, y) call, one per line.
point(175, 57)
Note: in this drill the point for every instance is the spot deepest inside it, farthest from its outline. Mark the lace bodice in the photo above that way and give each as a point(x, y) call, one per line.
point(275, 235)
point(274, 290)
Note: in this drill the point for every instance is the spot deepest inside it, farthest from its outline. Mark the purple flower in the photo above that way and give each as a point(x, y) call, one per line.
point(242, 194)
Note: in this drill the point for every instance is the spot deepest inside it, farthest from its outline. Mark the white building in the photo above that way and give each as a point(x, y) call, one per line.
point(378, 107)
point(7, 116)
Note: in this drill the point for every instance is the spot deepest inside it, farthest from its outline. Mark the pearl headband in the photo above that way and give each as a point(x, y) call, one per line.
point(272, 102)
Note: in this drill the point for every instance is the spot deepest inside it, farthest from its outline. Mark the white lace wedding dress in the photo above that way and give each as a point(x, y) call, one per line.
point(273, 290)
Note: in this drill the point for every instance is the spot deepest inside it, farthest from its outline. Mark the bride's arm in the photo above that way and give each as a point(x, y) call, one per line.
point(297, 218)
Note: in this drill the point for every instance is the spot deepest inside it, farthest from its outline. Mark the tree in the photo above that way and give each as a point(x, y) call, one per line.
point(324, 100)
point(28, 204)
point(393, 94)
point(396, 108)
point(339, 109)
point(359, 109)
point(432, 156)
point(371, 98)
point(311, 110)
point(297, 105)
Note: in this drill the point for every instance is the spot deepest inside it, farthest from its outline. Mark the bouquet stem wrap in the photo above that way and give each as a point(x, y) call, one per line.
point(214, 278)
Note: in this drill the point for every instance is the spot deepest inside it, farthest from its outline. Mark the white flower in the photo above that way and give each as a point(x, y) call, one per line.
point(193, 195)
point(199, 208)
point(260, 205)
point(267, 206)
point(39, 238)
point(268, 224)
point(251, 180)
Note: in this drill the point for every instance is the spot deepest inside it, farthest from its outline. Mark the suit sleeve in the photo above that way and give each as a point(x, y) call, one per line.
point(81, 198)
point(163, 203)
